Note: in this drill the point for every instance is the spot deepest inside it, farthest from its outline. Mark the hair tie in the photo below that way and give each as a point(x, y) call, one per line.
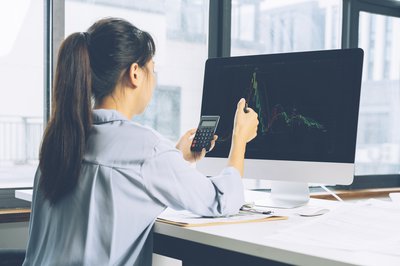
point(87, 37)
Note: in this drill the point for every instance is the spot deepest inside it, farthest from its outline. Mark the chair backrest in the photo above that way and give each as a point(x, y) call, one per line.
point(12, 257)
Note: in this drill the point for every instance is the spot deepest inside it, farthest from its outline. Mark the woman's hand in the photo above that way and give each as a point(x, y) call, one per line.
point(245, 124)
point(184, 146)
point(244, 130)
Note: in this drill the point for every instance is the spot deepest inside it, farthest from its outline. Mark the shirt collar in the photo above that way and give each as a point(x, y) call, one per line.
point(101, 116)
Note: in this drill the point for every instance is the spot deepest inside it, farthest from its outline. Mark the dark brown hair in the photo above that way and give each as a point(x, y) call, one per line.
point(90, 65)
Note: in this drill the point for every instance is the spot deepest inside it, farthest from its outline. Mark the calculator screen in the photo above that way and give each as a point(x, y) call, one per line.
point(208, 123)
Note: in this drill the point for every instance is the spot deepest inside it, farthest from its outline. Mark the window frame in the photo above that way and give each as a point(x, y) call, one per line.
point(351, 15)
point(54, 35)
point(350, 29)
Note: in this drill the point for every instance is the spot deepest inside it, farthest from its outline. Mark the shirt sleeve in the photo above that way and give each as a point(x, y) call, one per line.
point(173, 182)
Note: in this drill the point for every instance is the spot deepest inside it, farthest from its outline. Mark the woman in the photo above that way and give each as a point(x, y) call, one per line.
point(103, 179)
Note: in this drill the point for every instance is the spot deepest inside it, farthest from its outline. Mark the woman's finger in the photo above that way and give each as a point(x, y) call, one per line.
point(191, 131)
point(213, 142)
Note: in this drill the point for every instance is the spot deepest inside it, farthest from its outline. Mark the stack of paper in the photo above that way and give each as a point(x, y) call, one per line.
point(188, 219)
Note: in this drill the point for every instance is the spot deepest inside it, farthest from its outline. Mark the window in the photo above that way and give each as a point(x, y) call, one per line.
point(179, 29)
point(22, 90)
point(151, 6)
point(378, 145)
point(244, 22)
point(166, 100)
point(388, 47)
point(187, 20)
point(275, 26)
point(371, 43)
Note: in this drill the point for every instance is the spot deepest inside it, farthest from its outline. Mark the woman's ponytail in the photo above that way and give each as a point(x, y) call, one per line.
point(64, 141)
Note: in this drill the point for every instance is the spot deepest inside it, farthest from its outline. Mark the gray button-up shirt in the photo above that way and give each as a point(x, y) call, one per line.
point(129, 175)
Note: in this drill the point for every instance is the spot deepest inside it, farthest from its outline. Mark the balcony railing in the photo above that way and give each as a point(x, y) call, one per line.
point(20, 138)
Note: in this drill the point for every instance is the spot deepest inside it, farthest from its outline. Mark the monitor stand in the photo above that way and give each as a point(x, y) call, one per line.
point(286, 195)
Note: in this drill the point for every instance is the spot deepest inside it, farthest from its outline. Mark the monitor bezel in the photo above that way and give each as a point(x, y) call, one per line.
point(329, 173)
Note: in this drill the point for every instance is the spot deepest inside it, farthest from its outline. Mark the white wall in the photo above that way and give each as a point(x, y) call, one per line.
point(14, 235)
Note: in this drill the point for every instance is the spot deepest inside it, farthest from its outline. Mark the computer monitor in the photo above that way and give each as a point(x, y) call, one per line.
point(307, 105)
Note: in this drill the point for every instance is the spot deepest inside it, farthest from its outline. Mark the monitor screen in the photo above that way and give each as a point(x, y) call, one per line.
point(307, 103)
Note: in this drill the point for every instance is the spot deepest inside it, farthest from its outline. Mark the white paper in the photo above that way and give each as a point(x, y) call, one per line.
point(354, 227)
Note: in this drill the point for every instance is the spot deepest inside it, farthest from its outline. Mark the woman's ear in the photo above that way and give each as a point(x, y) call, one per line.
point(134, 75)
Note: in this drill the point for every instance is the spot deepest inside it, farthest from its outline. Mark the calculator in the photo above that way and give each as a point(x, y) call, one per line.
point(205, 133)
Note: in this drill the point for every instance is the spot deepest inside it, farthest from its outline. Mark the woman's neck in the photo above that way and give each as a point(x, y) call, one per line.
point(113, 104)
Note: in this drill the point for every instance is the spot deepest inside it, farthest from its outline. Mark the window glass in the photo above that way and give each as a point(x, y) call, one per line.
point(22, 79)
point(275, 26)
point(378, 144)
point(180, 29)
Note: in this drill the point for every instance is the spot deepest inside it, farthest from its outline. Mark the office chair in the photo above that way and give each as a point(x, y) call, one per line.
point(12, 257)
